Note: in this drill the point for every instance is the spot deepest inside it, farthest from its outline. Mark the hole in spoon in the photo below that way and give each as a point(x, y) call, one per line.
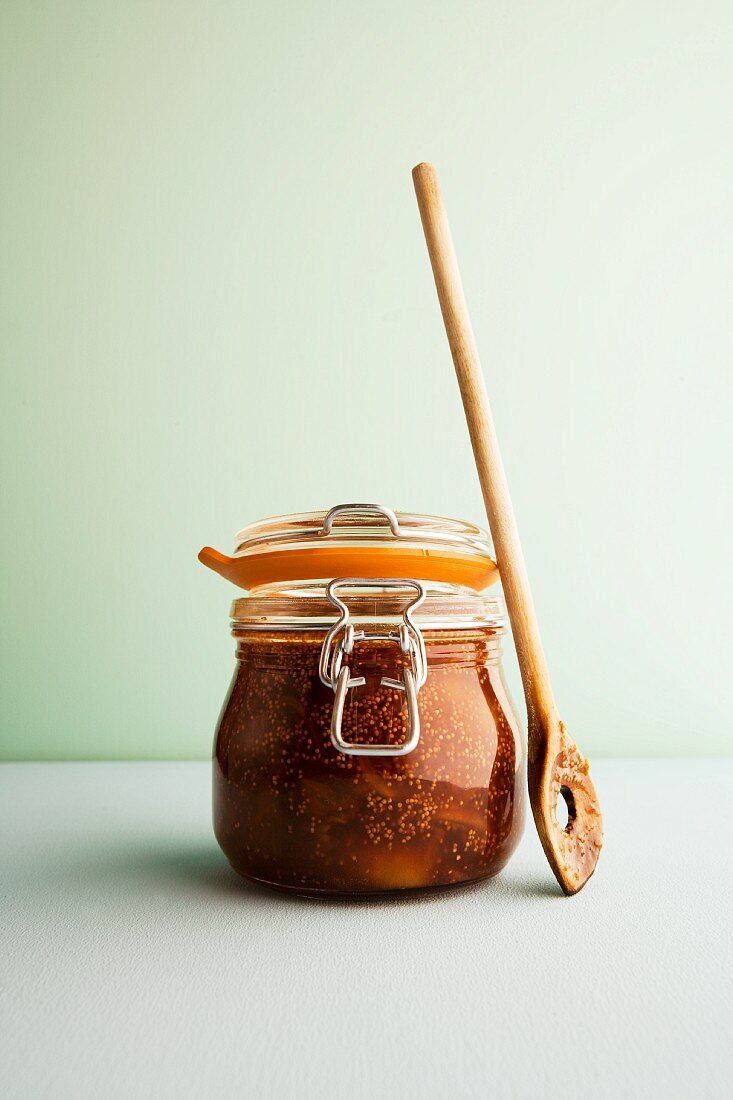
point(565, 811)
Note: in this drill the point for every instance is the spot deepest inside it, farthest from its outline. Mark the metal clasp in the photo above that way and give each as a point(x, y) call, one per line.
point(339, 643)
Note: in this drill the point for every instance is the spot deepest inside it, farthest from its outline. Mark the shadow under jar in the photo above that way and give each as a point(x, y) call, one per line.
point(294, 811)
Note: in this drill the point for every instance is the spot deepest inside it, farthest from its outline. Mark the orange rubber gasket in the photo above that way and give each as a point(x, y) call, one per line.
point(320, 562)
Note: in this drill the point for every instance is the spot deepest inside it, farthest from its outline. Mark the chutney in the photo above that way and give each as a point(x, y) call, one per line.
point(291, 811)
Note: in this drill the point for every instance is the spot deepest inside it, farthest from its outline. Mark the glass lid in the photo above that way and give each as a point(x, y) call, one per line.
point(356, 540)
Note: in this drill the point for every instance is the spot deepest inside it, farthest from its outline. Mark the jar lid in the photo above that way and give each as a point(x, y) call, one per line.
point(356, 540)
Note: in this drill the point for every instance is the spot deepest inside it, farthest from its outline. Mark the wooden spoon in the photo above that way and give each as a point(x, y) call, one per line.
point(555, 765)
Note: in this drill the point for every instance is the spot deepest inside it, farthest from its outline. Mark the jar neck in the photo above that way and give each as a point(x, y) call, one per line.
point(365, 603)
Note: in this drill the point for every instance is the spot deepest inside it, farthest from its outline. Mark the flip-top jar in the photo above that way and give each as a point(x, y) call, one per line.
point(367, 744)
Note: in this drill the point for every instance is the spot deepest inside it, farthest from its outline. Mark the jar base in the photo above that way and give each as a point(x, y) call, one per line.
point(405, 893)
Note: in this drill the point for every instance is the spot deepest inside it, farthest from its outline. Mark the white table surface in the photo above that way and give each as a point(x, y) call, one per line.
point(136, 964)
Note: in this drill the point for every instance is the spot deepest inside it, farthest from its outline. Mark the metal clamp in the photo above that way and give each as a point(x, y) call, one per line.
point(339, 643)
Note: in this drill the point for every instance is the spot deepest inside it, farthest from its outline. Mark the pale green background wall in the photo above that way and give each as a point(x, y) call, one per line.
point(216, 305)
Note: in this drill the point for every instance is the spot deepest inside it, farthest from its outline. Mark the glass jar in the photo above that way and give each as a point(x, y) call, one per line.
point(367, 744)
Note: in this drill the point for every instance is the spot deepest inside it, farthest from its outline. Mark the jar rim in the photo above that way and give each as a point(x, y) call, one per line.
point(306, 607)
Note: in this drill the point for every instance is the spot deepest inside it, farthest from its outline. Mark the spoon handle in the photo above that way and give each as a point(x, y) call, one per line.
point(541, 708)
